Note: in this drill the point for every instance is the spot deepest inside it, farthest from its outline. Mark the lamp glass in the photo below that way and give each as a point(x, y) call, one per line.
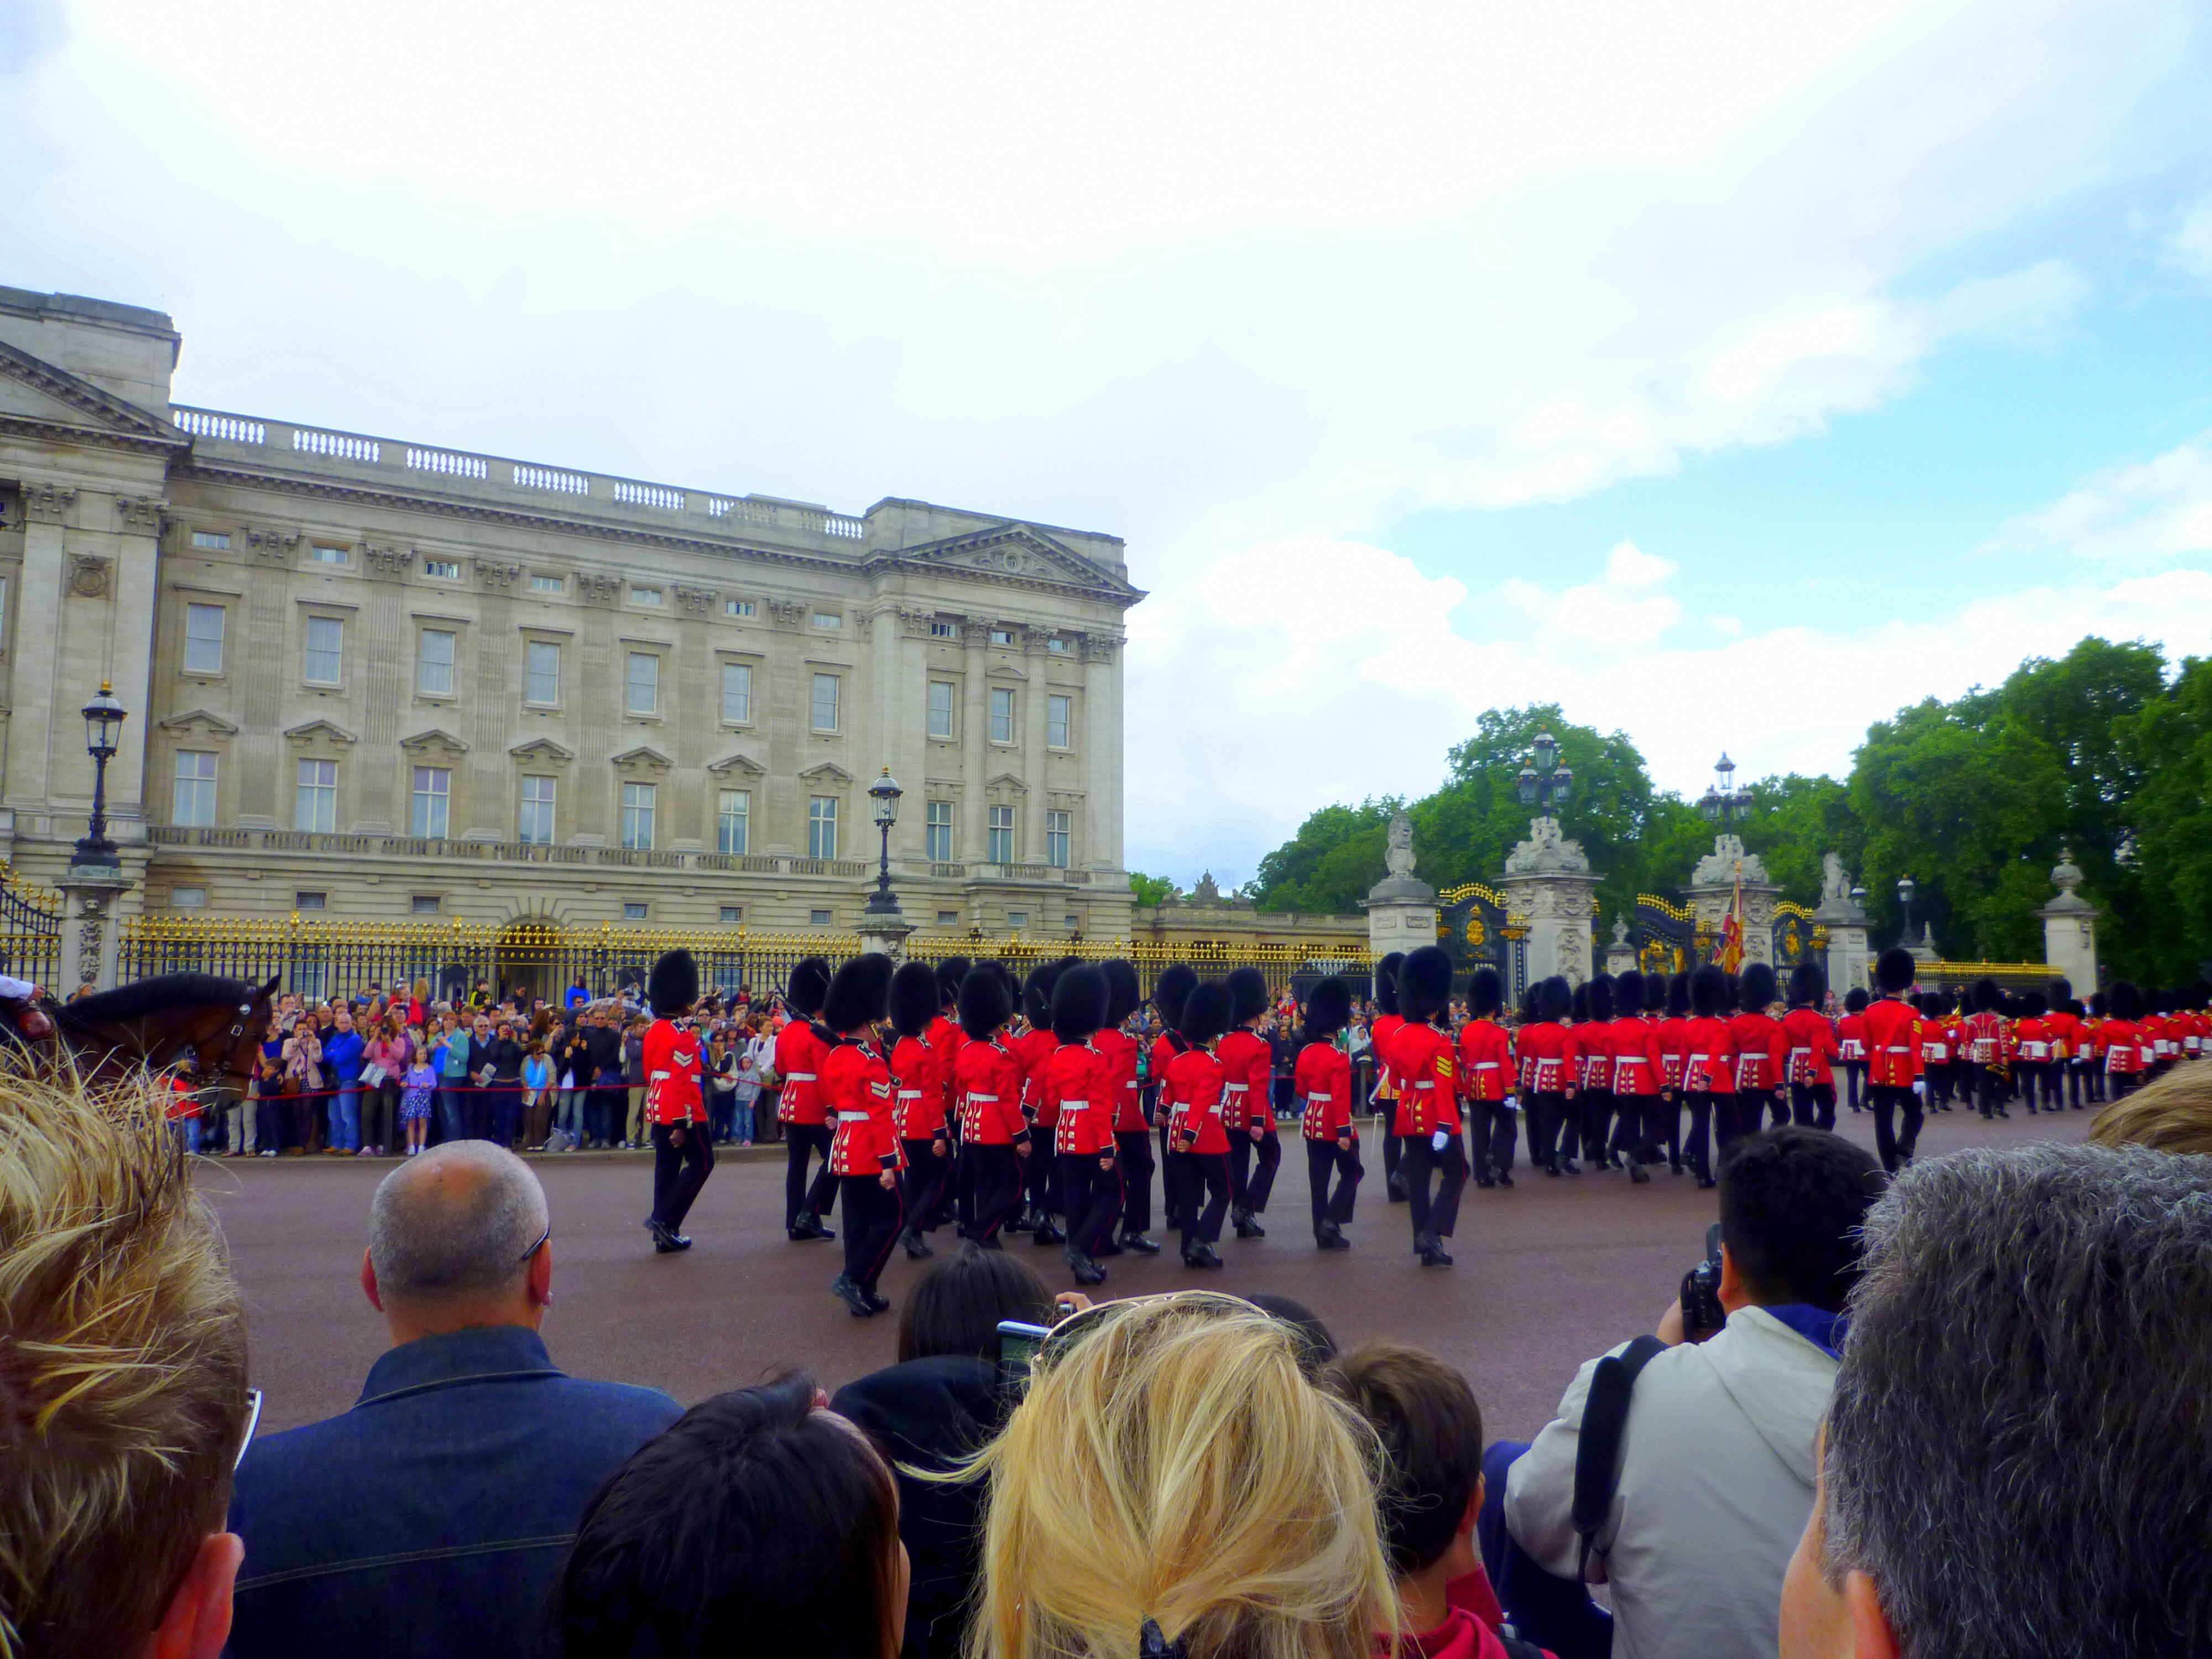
point(1563, 784)
point(103, 723)
point(884, 794)
point(1527, 785)
point(1547, 750)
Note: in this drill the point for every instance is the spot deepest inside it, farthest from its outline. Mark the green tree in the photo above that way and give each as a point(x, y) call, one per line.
point(1148, 890)
point(1329, 864)
point(1794, 822)
point(2167, 742)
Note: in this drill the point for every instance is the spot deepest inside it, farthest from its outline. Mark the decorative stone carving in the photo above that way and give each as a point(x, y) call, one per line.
point(915, 624)
point(141, 514)
point(275, 545)
point(1398, 855)
point(1727, 860)
point(1097, 650)
point(1835, 885)
point(1546, 852)
point(785, 616)
point(89, 574)
point(497, 574)
point(47, 503)
point(1208, 891)
point(391, 562)
point(699, 601)
point(599, 588)
point(641, 761)
point(864, 626)
point(976, 631)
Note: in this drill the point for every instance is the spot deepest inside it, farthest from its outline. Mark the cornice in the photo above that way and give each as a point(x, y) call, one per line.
point(29, 426)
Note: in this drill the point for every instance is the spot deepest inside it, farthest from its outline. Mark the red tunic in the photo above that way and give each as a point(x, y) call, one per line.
point(1323, 1078)
point(1380, 1035)
point(1246, 1062)
point(1544, 1045)
point(798, 1057)
point(1589, 1052)
point(1813, 1046)
point(1486, 1061)
point(2120, 1042)
point(1422, 1056)
point(1893, 1057)
point(672, 1075)
point(2034, 1037)
point(1165, 1047)
point(1985, 1041)
point(1639, 1064)
point(1760, 1051)
point(1032, 1050)
point(1195, 1077)
point(1851, 1036)
point(2065, 1031)
point(917, 1091)
point(1673, 1048)
point(1120, 1050)
point(988, 1080)
point(945, 1040)
point(1076, 1083)
point(1709, 1057)
point(856, 1085)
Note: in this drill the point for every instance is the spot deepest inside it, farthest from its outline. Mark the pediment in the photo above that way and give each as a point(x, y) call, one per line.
point(1018, 549)
point(644, 758)
point(437, 737)
point(35, 390)
point(827, 772)
point(320, 731)
point(1008, 781)
point(544, 751)
point(738, 763)
point(199, 720)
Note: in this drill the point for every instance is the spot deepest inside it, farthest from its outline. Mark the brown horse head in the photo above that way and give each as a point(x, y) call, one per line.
point(209, 1025)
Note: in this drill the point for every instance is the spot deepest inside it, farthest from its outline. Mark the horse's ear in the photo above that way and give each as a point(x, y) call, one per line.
point(270, 989)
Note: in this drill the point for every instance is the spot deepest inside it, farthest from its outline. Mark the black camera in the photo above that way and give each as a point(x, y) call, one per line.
point(1702, 1313)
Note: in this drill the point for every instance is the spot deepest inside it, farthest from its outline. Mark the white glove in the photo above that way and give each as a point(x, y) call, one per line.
point(1441, 1140)
point(1512, 1103)
point(1920, 1087)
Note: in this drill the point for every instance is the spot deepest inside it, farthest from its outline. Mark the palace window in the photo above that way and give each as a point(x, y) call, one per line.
point(187, 898)
point(825, 702)
point(1056, 645)
point(315, 805)
point(1002, 636)
point(738, 607)
point(434, 664)
point(541, 676)
point(326, 650)
point(203, 639)
point(424, 904)
point(449, 568)
point(215, 540)
point(938, 832)
point(1056, 713)
point(1058, 835)
point(948, 918)
point(195, 802)
point(819, 918)
point(644, 683)
point(635, 910)
point(328, 555)
point(940, 709)
point(549, 584)
point(941, 630)
point(536, 827)
point(822, 827)
point(732, 913)
point(1002, 715)
point(645, 595)
point(1017, 920)
point(311, 900)
point(1002, 835)
point(639, 801)
point(828, 619)
point(733, 822)
point(737, 692)
point(433, 798)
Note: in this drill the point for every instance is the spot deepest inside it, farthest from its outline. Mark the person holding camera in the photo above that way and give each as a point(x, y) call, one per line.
point(1713, 1422)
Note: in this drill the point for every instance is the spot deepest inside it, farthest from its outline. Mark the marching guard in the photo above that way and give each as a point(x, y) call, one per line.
point(1077, 1082)
point(799, 1049)
point(1132, 1136)
point(1247, 1108)
point(995, 1137)
point(1814, 1049)
point(1382, 1032)
point(683, 1150)
point(864, 1156)
point(1488, 1078)
point(1323, 1080)
point(1170, 992)
point(1428, 1102)
point(1195, 1077)
point(918, 1093)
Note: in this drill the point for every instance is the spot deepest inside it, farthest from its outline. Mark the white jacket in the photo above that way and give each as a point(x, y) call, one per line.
point(1716, 1485)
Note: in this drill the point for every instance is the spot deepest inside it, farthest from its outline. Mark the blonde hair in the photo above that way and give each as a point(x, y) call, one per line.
point(1175, 1464)
point(122, 1367)
point(2173, 1114)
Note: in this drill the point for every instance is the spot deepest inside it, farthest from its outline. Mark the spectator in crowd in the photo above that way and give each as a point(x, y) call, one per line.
point(1131, 1493)
point(343, 1059)
point(123, 1384)
point(579, 993)
point(428, 1519)
point(604, 1042)
point(416, 1101)
point(720, 1070)
point(761, 1522)
point(503, 1058)
point(1316, 1346)
point(452, 1059)
point(303, 1084)
point(2173, 1114)
point(390, 1053)
point(2018, 1460)
point(537, 1095)
point(1717, 1462)
point(745, 1093)
point(632, 1072)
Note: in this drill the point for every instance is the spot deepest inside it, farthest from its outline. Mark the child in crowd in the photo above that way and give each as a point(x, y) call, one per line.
point(415, 1105)
point(537, 1103)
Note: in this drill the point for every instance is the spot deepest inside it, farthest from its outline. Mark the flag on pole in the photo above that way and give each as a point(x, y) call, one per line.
point(1730, 957)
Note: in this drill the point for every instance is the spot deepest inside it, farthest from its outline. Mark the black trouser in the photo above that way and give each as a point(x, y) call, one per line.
point(1136, 1146)
point(1177, 1177)
point(1596, 1115)
point(1886, 1100)
point(1493, 1126)
point(1635, 1127)
point(1937, 1076)
point(1993, 1092)
point(1813, 1104)
point(1547, 1114)
point(1393, 1156)
point(874, 1216)
point(477, 1112)
point(1736, 1116)
point(927, 1174)
point(1435, 1212)
point(2027, 1074)
point(1044, 1172)
point(1855, 1082)
point(1324, 1158)
point(800, 1139)
point(1094, 1199)
point(1708, 1114)
point(678, 1172)
point(1207, 1175)
point(1753, 1106)
point(990, 1186)
point(1249, 1188)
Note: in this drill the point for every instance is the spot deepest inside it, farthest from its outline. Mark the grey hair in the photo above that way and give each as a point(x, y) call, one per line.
point(454, 1221)
point(2019, 1447)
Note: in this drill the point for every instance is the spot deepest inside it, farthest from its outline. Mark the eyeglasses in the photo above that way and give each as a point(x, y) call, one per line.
point(540, 1244)
point(1074, 1329)
point(253, 1422)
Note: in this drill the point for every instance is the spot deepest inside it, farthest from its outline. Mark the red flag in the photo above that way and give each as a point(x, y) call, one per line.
point(1731, 951)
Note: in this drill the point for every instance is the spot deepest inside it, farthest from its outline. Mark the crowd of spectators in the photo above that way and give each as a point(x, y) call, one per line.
point(1956, 1410)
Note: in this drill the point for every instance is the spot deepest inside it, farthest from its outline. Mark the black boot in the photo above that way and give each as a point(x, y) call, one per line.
point(1331, 1237)
point(1638, 1173)
point(1431, 1250)
point(663, 1242)
point(1024, 1221)
point(1086, 1271)
point(1045, 1233)
point(1396, 1187)
point(1200, 1256)
point(848, 1291)
point(1139, 1243)
point(1247, 1225)
point(916, 1246)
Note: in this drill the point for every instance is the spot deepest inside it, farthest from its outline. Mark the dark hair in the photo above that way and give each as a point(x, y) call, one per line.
point(1316, 1346)
point(1431, 1427)
point(957, 1302)
point(756, 1524)
point(1792, 1201)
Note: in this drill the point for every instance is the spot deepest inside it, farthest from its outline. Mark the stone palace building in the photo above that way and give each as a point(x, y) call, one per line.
point(379, 678)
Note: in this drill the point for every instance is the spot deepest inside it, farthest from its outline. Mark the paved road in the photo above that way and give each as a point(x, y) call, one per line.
point(1547, 1275)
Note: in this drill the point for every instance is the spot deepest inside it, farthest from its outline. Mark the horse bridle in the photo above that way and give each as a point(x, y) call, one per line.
point(201, 1078)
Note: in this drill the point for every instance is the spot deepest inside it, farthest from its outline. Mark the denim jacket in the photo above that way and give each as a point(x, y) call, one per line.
point(431, 1518)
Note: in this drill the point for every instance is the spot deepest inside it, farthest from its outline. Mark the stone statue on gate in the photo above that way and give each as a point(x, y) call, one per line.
point(1835, 885)
point(1398, 856)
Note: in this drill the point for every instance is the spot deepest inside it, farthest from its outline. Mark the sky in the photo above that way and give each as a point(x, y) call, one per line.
point(1731, 375)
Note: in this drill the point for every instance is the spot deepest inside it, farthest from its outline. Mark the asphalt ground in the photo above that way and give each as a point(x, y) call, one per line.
point(1548, 1274)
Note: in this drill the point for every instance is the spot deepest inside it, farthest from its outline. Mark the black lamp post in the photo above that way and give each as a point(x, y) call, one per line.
point(1724, 802)
point(1543, 783)
point(1905, 899)
point(103, 728)
point(883, 799)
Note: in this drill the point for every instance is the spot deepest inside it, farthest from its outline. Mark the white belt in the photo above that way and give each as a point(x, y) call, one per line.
point(1801, 1051)
point(1699, 1060)
point(1237, 1088)
point(1628, 1060)
point(851, 1117)
point(1897, 1048)
point(1074, 1105)
point(989, 1098)
point(799, 1076)
point(1486, 1065)
point(1319, 1100)
point(658, 1076)
point(1426, 1083)
point(909, 1094)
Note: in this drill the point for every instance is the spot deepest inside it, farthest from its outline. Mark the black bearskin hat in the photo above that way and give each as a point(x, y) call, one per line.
point(2062, 992)
point(2032, 1006)
point(1894, 970)
point(1708, 991)
point(1656, 994)
point(1554, 1000)
point(913, 998)
point(1247, 994)
point(1329, 1009)
point(1931, 1004)
point(1807, 982)
point(1485, 993)
point(1036, 995)
point(673, 984)
point(1205, 1013)
point(1386, 982)
point(1424, 983)
point(1171, 989)
point(1735, 992)
point(808, 985)
point(986, 1004)
point(860, 994)
point(1079, 999)
point(1628, 993)
point(2099, 1005)
point(1986, 996)
point(2124, 1001)
point(950, 973)
point(1677, 995)
point(1530, 1013)
point(1122, 995)
point(1855, 999)
point(1578, 1004)
point(1601, 1000)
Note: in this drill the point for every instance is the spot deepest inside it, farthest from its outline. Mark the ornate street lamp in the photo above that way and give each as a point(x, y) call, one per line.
point(1723, 803)
point(1905, 899)
point(1543, 784)
point(883, 799)
point(103, 732)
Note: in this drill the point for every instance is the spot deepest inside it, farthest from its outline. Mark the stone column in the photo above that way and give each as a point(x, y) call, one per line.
point(2069, 930)
point(91, 928)
point(1849, 963)
point(1712, 889)
point(885, 934)
point(1401, 909)
point(1548, 881)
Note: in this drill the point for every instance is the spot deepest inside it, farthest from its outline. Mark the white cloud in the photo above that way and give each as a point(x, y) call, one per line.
point(2155, 511)
point(2192, 238)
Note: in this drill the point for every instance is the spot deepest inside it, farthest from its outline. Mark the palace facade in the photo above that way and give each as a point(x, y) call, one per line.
point(386, 679)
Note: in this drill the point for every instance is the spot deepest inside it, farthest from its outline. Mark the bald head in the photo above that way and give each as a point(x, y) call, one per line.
point(455, 1223)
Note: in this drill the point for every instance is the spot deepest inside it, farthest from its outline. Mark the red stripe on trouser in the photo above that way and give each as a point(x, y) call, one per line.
point(891, 1236)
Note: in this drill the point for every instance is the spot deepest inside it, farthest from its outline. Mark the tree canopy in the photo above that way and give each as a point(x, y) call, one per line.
point(2096, 752)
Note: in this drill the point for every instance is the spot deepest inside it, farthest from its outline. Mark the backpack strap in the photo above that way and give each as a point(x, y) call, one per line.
point(1598, 1450)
